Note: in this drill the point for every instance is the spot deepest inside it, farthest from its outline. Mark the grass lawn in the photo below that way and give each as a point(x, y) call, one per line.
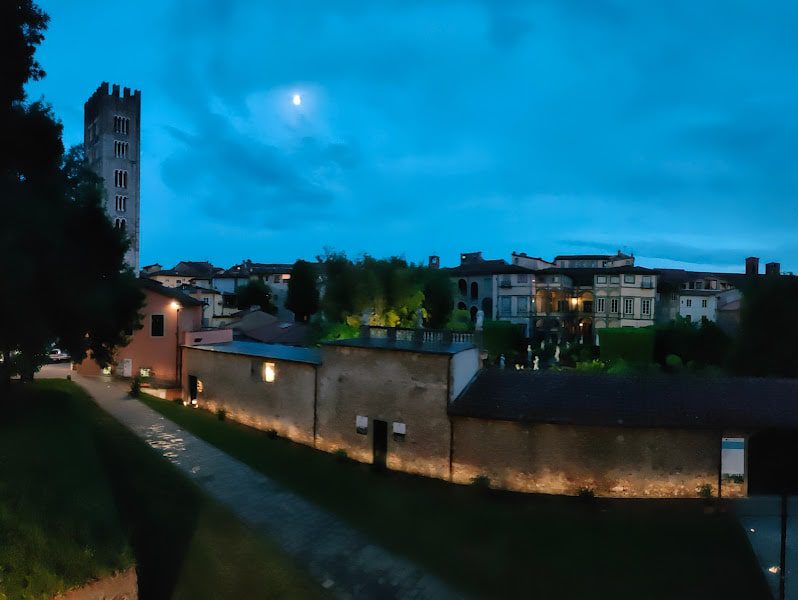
point(71, 475)
point(500, 544)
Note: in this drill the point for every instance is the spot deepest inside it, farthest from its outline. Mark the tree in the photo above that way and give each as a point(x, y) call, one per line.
point(256, 293)
point(765, 343)
point(303, 293)
point(59, 252)
point(438, 297)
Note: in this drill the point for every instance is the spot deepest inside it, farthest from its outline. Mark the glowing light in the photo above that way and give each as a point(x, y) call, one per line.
point(175, 305)
point(753, 530)
point(774, 569)
point(268, 372)
point(297, 100)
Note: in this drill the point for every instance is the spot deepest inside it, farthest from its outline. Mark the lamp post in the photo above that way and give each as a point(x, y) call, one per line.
point(177, 306)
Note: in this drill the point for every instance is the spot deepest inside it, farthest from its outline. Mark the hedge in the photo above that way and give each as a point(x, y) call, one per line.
point(632, 344)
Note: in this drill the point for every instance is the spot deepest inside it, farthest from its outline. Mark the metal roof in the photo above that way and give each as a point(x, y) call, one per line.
point(311, 356)
point(381, 343)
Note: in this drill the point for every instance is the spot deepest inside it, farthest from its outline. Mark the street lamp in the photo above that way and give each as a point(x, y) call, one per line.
point(177, 306)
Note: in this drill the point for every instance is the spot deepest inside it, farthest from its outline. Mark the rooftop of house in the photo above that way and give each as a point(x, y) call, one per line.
point(486, 267)
point(260, 326)
point(584, 277)
point(617, 400)
point(190, 288)
point(186, 268)
point(619, 255)
point(311, 356)
point(248, 267)
point(381, 343)
point(175, 294)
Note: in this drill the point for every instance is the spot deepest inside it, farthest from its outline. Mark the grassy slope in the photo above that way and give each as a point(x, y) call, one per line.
point(58, 522)
point(185, 544)
point(503, 544)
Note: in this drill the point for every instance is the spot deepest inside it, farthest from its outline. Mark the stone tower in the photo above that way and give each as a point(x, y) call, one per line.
point(111, 135)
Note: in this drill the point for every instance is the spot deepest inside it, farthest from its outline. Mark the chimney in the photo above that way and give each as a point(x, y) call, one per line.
point(773, 268)
point(434, 262)
point(752, 265)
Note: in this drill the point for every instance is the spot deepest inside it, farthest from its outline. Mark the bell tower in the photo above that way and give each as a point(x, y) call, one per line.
point(111, 137)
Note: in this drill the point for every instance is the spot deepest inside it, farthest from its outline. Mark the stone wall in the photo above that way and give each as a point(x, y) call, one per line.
point(561, 459)
point(233, 382)
point(393, 386)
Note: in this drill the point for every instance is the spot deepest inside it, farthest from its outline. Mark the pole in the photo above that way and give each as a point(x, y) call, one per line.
point(178, 378)
point(783, 548)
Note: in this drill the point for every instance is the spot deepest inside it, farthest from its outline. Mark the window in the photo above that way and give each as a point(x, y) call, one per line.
point(601, 279)
point(615, 279)
point(269, 372)
point(120, 149)
point(674, 297)
point(645, 307)
point(121, 125)
point(713, 284)
point(587, 306)
point(628, 306)
point(562, 305)
point(362, 424)
point(555, 279)
point(523, 306)
point(156, 325)
point(474, 290)
point(462, 286)
point(628, 278)
point(613, 305)
point(399, 431)
point(647, 282)
point(691, 285)
point(120, 178)
point(699, 285)
point(704, 303)
point(121, 203)
point(276, 279)
point(600, 305)
point(523, 278)
point(689, 302)
point(505, 303)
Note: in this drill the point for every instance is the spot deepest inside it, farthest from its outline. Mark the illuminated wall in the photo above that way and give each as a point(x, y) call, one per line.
point(562, 459)
point(236, 383)
point(406, 388)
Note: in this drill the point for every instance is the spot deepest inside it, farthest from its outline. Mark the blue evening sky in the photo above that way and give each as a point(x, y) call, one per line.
point(669, 129)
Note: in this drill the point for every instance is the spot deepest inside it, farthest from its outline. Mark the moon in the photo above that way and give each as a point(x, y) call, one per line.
point(297, 100)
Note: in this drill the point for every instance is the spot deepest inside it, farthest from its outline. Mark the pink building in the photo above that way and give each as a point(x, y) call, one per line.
point(154, 350)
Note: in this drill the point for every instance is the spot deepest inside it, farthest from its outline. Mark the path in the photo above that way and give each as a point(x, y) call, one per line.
point(343, 560)
point(761, 518)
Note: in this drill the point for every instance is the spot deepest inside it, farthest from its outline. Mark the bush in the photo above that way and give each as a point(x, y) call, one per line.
point(586, 493)
point(674, 362)
point(620, 367)
point(593, 366)
point(271, 434)
point(705, 490)
point(221, 414)
point(503, 337)
point(460, 321)
point(135, 387)
point(633, 344)
point(341, 455)
point(481, 481)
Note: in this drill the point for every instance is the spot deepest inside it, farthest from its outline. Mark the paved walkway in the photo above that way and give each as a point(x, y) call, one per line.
point(340, 558)
point(761, 518)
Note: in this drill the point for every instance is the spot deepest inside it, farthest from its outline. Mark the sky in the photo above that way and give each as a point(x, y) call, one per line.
point(666, 128)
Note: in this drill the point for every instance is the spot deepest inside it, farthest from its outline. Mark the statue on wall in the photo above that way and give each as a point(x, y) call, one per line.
point(536, 364)
point(419, 319)
point(501, 361)
point(557, 354)
point(480, 320)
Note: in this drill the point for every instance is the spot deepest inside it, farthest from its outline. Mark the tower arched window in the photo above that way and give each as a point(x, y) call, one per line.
point(474, 290)
point(463, 287)
point(123, 224)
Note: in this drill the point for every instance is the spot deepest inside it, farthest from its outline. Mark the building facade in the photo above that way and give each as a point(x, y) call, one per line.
point(111, 138)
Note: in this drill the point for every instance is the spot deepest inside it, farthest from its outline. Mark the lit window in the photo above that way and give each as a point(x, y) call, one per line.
point(269, 372)
point(145, 371)
point(200, 387)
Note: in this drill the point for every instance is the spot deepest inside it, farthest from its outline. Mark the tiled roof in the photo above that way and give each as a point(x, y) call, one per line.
point(654, 401)
point(174, 293)
point(486, 267)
